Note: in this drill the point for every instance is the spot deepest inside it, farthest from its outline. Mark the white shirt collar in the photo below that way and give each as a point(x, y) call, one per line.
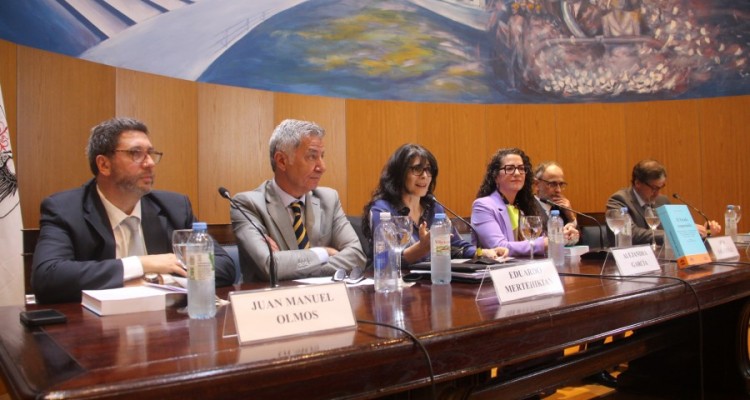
point(114, 214)
point(286, 198)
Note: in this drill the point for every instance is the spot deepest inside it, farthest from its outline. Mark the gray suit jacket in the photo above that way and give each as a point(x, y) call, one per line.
point(641, 231)
point(326, 225)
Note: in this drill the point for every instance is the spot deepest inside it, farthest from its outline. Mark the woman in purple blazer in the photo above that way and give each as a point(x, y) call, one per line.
point(506, 194)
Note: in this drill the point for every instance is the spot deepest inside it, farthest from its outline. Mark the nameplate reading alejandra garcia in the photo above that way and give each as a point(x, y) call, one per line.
point(268, 314)
point(527, 280)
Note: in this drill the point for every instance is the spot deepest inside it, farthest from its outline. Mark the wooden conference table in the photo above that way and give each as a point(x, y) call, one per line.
point(482, 349)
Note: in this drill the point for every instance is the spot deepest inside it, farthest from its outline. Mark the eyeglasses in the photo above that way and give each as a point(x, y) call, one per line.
point(511, 169)
point(357, 275)
point(418, 170)
point(554, 185)
point(139, 155)
point(653, 187)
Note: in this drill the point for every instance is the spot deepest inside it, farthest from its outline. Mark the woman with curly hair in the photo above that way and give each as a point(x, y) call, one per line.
point(504, 195)
point(405, 188)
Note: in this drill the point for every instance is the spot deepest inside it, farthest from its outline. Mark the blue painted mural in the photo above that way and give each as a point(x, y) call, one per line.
point(473, 51)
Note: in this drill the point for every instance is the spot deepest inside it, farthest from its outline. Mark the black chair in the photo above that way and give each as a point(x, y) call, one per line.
point(356, 222)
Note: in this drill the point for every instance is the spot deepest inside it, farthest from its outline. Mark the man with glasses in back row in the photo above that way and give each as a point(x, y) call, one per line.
point(550, 185)
point(114, 229)
point(648, 179)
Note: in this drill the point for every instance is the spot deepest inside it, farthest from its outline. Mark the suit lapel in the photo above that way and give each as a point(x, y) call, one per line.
point(96, 217)
point(280, 217)
point(154, 226)
point(312, 218)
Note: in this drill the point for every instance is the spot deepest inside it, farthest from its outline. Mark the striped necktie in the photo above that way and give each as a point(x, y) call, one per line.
point(299, 227)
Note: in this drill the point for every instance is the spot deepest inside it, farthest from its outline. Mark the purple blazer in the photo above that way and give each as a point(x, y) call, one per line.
point(489, 215)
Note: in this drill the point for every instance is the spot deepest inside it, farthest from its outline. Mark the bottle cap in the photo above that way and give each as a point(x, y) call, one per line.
point(624, 210)
point(199, 226)
point(439, 215)
point(385, 216)
point(730, 207)
point(555, 212)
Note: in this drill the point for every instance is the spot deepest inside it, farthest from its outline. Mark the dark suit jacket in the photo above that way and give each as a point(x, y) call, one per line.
point(641, 231)
point(76, 247)
point(545, 216)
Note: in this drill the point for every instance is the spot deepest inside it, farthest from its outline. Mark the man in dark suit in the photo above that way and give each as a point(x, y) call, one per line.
point(550, 185)
point(115, 229)
point(305, 224)
point(648, 179)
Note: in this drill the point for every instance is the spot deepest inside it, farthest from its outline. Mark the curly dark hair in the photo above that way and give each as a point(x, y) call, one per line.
point(525, 200)
point(393, 181)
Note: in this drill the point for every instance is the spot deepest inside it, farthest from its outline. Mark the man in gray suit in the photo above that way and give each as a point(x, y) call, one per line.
point(648, 179)
point(305, 225)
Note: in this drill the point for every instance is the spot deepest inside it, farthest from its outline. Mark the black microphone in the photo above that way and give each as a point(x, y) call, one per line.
point(708, 229)
point(460, 218)
point(593, 254)
point(272, 263)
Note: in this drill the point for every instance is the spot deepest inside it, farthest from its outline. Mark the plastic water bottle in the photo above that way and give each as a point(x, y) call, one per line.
point(556, 238)
point(625, 238)
point(440, 250)
point(201, 275)
point(730, 223)
point(386, 275)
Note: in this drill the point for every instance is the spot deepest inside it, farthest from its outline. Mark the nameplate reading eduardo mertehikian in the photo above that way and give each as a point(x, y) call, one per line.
point(523, 281)
point(267, 314)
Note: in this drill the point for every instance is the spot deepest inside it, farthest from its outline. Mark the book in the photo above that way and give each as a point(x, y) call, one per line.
point(131, 299)
point(682, 234)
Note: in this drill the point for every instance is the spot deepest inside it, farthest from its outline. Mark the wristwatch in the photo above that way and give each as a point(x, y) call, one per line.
point(152, 277)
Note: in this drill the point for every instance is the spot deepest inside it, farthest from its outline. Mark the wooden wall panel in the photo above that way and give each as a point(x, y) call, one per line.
point(169, 108)
point(725, 147)
point(329, 113)
point(375, 129)
point(454, 133)
point(8, 73)
point(591, 143)
point(667, 131)
point(234, 126)
point(59, 99)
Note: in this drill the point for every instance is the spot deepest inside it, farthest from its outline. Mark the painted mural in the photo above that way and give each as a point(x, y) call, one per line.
point(473, 51)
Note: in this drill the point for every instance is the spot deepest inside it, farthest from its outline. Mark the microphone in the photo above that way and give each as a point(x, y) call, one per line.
point(593, 254)
point(223, 192)
point(460, 218)
point(694, 209)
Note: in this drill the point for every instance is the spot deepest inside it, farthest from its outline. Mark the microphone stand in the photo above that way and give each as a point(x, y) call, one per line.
point(460, 218)
point(591, 254)
point(274, 281)
point(708, 223)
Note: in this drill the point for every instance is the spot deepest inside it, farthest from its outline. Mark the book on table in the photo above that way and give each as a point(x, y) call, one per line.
point(132, 299)
point(682, 234)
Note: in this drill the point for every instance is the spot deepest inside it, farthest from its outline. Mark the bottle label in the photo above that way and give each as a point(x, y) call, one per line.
point(442, 245)
point(200, 266)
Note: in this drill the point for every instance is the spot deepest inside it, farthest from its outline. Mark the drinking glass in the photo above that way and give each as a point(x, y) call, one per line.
point(738, 211)
point(615, 221)
point(531, 229)
point(653, 222)
point(402, 238)
point(179, 244)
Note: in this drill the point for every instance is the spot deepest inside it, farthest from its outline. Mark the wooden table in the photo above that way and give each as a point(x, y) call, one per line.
point(480, 348)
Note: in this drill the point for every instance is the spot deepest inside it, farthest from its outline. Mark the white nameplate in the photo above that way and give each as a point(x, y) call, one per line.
point(522, 281)
point(722, 248)
point(267, 314)
point(635, 260)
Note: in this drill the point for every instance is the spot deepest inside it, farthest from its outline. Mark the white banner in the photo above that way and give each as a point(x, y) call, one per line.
point(11, 262)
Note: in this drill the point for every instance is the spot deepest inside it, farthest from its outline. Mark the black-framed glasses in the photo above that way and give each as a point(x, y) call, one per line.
point(654, 187)
point(511, 169)
point(138, 155)
point(418, 170)
point(555, 185)
point(355, 276)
